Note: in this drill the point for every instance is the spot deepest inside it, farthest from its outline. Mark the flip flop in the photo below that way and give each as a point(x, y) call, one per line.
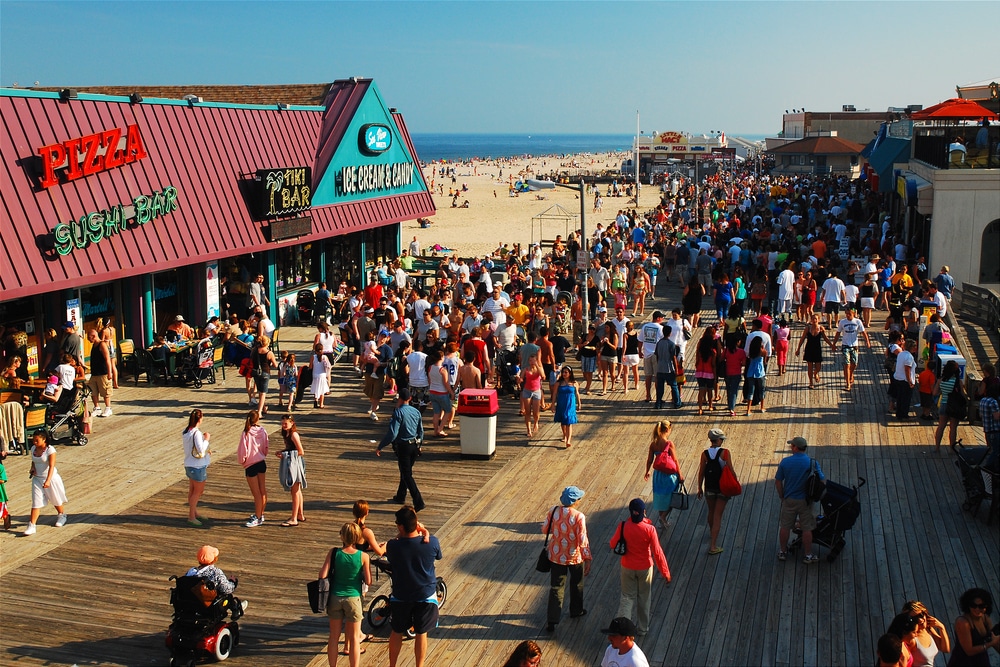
point(288, 524)
point(715, 552)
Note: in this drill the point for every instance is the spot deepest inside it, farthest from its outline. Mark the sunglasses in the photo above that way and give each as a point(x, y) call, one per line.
point(978, 605)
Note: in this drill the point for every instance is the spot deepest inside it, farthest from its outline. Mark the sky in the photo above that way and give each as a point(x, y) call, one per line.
point(521, 67)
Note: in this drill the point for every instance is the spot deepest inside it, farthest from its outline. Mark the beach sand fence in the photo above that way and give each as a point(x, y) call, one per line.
point(554, 214)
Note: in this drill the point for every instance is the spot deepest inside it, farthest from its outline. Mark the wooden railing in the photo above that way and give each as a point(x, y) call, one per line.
point(982, 305)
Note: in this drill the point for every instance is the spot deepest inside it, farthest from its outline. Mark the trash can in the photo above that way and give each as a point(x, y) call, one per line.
point(478, 409)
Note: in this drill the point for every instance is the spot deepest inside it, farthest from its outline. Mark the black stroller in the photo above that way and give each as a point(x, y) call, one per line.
point(506, 364)
point(200, 628)
point(305, 302)
point(973, 475)
point(65, 419)
point(841, 510)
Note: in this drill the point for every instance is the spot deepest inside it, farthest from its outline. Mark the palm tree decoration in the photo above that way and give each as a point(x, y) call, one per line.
point(275, 180)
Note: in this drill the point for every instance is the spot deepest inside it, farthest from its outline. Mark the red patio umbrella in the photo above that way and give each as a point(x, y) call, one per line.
point(954, 109)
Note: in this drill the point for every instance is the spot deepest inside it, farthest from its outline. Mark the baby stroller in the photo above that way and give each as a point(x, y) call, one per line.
point(973, 476)
point(305, 303)
point(841, 510)
point(64, 420)
point(198, 368)
point(200, 628)
point(506, 364)
point(379, 611)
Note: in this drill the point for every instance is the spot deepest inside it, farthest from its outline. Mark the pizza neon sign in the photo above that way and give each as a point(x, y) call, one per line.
point(91, 154)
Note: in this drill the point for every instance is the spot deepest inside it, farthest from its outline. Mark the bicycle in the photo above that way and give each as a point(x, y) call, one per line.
point(380, 611)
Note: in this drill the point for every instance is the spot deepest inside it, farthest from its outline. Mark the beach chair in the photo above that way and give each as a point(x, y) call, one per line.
point(339, 350)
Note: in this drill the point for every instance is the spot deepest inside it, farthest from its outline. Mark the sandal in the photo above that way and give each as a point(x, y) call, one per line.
point(715, 552)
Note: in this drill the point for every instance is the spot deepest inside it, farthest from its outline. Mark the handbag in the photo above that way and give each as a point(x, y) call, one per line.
point(665, 461)
point(729, 485)
point(319, 590)
point(620, 545)
point(957, 406)
point(319, 595)
point(544, 564)
point(679, 499)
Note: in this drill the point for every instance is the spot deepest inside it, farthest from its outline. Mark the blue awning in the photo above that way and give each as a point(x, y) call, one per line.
point(890, 151)
point(874, 143)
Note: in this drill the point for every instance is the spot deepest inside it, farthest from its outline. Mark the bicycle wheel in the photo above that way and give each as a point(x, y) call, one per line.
point(378, 611)
point(442, 592)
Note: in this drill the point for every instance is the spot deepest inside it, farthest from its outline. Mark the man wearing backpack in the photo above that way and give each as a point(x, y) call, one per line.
point(791, 481)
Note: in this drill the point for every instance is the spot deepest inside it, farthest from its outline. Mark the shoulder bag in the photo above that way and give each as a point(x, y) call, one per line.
point(679, 499)
point(729, 485)
point(957, 406)
point(620, 545)
point(544, 564)
point(815, 486)
point(665, 461)
point(319, 590)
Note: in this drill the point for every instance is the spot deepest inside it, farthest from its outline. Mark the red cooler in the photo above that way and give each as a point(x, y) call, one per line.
point(478, 409)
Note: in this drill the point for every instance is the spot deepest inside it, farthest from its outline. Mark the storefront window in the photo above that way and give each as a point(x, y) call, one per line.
point(342, 260)
point(380, 244)
point(297, 265)
point(238, 273)
point(172, 293)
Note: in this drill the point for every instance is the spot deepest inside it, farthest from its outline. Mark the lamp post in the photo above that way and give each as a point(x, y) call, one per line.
point(549, 185)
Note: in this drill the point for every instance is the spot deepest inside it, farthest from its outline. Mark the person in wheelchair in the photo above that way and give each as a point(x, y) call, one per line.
point(207, 569)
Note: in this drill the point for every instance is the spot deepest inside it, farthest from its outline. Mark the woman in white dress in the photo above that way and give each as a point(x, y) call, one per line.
point(46, 484)
point(320, 370)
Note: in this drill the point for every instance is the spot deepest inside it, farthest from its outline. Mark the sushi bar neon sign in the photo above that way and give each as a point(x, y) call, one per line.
point(91, 154)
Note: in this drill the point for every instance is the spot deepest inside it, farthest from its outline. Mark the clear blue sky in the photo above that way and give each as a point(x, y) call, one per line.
point(527, 67)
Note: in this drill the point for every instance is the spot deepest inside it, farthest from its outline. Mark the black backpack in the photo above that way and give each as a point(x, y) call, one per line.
point(815, 485)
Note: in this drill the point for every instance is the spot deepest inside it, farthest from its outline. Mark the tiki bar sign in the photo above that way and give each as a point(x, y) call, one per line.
point(100, 225)
point(91, 154)
point(284, 191)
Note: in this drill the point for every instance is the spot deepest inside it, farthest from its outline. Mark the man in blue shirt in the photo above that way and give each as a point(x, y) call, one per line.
point(414, 585)
point(790, 480)
point(406, 435)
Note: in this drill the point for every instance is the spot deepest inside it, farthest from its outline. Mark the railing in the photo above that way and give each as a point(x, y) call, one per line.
point(931, 145)
point(982, 305)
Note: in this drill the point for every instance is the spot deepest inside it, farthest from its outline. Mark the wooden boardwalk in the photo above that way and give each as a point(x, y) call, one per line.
point(100, 583)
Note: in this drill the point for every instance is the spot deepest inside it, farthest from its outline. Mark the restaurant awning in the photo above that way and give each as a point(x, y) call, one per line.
point(916, 191)
point(890, 151)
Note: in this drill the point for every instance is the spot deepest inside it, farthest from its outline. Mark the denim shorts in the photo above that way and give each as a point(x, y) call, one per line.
point(441, 403)
point(588, 364)
point(199, 474)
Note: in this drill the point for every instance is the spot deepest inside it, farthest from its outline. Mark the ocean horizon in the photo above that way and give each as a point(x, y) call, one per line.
point(433, 146)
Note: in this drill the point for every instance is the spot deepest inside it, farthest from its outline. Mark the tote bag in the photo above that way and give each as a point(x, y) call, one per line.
point(665, 461)
point(729, 485)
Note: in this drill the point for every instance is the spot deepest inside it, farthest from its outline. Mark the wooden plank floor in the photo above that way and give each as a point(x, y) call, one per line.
point(104, 575)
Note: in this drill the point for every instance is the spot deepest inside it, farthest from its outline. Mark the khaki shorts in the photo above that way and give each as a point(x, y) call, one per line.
point(344, 609)
point(791, 509)
point(374, 388)
point(100, 386)
point(649, 366)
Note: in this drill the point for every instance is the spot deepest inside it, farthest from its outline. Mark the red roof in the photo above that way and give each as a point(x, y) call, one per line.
point(204, 151)
point(819, 146)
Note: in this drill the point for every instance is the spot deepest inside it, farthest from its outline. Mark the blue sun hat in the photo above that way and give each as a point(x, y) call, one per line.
point(570, 495)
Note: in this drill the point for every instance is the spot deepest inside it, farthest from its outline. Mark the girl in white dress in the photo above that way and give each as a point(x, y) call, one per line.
point(46, 484)
point(320, 370)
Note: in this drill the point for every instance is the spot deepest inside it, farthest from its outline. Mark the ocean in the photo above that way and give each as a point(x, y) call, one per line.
point(440, 146)
point(464, 146)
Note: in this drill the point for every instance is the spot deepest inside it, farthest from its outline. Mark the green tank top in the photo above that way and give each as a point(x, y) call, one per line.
point(346, 580)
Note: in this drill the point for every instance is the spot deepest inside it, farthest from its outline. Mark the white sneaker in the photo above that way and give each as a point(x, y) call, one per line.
point(60, 521)
point(373, 416)
point(30, 530)
point(106, 413)
point(253, 522)
point(244, 604)
point(97, 412)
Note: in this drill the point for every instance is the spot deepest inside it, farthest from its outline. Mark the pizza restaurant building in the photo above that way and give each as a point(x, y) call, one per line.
point(144, 209)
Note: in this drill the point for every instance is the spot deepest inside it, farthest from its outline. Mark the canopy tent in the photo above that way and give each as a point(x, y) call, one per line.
point(554, 213)
point(955, 109)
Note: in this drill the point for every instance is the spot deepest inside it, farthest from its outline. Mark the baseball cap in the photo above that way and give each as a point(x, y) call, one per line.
point(621, 626)
point(637, 510)
point(602, 309)
point(798, 442)
point(716, 434)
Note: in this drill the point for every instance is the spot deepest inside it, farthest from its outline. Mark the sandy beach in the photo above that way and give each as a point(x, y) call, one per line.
point(494, 217)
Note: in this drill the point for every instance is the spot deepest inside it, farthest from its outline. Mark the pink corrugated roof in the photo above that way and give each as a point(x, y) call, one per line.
point(202, 151)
